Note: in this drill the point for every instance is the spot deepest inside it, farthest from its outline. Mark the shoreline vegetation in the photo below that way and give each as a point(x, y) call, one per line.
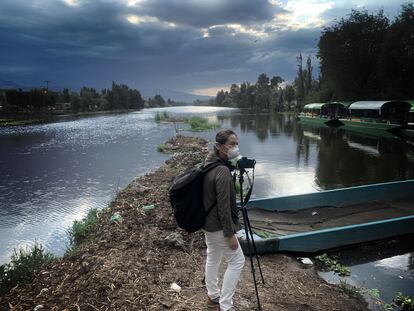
point(197, 123)
point(19, 120)
point(127, 255)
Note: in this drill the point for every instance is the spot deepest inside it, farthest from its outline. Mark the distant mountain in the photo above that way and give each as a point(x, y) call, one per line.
point(173, 95)
point(6, 84)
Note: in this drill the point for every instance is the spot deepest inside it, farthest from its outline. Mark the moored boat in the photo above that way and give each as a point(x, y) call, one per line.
point(377, 115)
point(328, 219)
point(409, 130)
point(323, 113)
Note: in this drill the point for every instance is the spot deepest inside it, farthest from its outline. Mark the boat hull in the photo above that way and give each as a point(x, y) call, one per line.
point(356, 124)
point(337, 236)
point(318, 120)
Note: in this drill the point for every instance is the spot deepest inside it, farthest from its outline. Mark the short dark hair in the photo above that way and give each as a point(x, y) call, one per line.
point(223, 136)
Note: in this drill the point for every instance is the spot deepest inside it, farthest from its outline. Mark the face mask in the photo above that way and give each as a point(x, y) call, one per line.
point(234, 155)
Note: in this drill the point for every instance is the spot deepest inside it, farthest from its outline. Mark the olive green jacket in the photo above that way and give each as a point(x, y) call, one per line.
point(218, 189)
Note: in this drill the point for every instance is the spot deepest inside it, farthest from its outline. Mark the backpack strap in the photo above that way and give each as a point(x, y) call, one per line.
point(208, 168)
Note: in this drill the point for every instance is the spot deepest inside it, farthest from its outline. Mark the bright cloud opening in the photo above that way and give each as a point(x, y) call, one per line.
point(71, 2)
point(210, 91)
point(136, 20)
point(305, 13)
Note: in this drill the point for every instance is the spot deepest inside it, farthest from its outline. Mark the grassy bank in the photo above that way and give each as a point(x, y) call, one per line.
point(26, 121)
point(18, 120)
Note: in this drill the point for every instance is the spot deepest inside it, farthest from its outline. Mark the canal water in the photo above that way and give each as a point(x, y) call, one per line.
point(52, 174)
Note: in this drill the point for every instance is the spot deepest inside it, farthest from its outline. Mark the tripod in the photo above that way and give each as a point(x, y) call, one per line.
point(249, 233)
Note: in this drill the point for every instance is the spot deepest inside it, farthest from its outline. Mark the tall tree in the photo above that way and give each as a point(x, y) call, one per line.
point(299, 81)
point(308, 77)
point(396, 63)
point(262, 92)
point(348, 53)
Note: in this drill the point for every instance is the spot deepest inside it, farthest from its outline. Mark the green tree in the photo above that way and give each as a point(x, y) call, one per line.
point(234, 95)
point(262, 92)
point(348, 52)
point(65, 95)
point(396, 62)
point(299, 82)
point(220, 97)
point(289, 97)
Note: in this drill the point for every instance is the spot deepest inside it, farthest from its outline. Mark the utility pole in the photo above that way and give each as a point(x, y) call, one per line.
point(47, 85)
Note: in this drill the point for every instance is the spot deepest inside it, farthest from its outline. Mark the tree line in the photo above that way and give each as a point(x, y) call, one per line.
point(365, 56)
point(118, 97)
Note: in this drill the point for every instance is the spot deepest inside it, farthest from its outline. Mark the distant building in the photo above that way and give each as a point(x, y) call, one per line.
point(63, 107)
point(3, 100)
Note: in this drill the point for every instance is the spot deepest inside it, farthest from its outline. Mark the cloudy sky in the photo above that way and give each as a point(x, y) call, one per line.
point(196, 46)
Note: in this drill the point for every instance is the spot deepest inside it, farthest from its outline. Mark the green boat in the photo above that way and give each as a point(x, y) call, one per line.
point(409, 130)
point(329, 219)
point(376, 115)
point(322, 113)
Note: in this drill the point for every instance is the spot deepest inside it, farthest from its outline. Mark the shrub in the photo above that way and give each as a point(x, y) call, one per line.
point(23, 264)
point(161, 147)
point(82, 228)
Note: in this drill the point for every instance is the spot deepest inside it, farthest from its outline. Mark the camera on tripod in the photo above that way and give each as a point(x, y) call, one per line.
point(245, 162)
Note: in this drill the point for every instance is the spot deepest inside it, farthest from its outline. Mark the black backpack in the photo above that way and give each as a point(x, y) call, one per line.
point(186, 196)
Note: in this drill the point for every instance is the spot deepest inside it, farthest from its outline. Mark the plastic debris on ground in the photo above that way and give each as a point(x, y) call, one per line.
point(305, 260)
point(148, 207)
point(116, 217)
point(175, 287)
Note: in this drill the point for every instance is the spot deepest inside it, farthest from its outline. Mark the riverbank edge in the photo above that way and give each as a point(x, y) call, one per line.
point(119, 247)
point(17, 120)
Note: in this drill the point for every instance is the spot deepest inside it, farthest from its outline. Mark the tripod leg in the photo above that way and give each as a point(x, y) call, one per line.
point(246, 230)
point(254, 245)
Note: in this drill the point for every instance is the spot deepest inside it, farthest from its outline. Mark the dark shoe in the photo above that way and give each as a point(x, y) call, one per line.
point(213, 303)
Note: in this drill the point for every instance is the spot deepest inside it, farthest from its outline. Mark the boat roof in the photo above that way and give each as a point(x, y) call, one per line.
point(314, 106)
point(320, 105)
point(373, 105)
point(412, 105)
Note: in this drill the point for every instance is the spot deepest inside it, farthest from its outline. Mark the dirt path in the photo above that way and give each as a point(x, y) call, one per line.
point(129, 265)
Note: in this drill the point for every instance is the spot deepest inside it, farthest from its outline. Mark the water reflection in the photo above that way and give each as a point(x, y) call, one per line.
point(52, 173)
point(338, 158)
point(384, 265)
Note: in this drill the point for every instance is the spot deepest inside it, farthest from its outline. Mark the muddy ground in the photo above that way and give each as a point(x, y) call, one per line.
point(130, 264)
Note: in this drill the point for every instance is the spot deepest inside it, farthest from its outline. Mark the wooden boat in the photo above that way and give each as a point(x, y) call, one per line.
point(322, 113)
point(334, 218)
point(376, 115)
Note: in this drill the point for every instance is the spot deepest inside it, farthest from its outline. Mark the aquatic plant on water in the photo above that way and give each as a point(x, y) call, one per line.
point(405, 303)
point(161, 116)
point(200, 124)
point(333, 265)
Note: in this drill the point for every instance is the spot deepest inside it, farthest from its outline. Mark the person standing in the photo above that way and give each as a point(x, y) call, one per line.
point(222, 222)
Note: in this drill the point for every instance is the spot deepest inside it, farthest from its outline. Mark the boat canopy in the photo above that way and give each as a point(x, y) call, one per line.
point(373, 105)
point(314, 106)
point(320, 105)
point(412, 105)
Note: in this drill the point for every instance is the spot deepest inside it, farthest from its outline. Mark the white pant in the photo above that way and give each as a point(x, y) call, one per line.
point(217, 248)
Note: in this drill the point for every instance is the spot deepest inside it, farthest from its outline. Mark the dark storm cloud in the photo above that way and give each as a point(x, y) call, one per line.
point(207, 13)
point(93, 43)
